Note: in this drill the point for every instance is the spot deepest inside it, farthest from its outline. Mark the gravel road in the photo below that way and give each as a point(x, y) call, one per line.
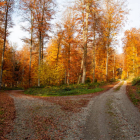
point(109, 116)
point(112, 117)
point(38, 119)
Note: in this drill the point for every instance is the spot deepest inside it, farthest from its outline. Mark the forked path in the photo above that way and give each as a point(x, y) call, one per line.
point(112, 117)
point(109, 116)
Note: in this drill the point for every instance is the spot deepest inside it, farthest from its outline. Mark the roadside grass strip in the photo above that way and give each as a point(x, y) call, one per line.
point(61, 92)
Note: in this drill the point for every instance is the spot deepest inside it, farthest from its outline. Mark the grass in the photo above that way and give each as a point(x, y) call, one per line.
point(133, 91)
point(1, 112)
point(134, 96)
point(136, 81)
point(118, 88)
point(1, 118)
point(66, 90)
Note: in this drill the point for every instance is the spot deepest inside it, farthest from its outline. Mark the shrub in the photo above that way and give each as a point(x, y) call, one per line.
point(136, 81)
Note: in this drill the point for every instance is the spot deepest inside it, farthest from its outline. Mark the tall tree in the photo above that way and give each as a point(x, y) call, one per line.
point(44, 10)
point(85, 38)
point(114, 17)
point(28, 7)
point(6, 13)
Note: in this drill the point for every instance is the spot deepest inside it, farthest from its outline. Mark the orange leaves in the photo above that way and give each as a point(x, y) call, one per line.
point(132, 51)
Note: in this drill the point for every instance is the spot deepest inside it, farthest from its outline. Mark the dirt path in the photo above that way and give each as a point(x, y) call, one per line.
point(38, 119)
point(113, 117)
point(109, 116)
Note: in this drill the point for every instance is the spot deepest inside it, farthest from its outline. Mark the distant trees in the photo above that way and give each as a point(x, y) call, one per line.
point(80, 50)
point(131, 52)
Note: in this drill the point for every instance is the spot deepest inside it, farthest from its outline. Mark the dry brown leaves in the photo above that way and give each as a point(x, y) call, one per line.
point(71, 104)
point(45, 126)
point(133, 89)
point(7, 114)
point(75, 103)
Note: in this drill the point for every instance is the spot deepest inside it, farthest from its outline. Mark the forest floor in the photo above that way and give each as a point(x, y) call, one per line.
point(110, 115)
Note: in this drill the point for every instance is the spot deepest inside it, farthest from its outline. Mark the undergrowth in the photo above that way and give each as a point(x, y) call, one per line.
point(66, 90)
point(134, 91)
point(136, 81)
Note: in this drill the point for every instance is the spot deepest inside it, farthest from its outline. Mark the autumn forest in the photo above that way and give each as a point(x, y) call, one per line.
point(81, 47)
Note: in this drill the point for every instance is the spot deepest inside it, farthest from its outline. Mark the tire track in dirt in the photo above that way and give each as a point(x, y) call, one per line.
point(113, 116)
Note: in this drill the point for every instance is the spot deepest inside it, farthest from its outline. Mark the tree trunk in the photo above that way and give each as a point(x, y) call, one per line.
point(31, 46)
point(65, 76)
point(4, 43)
point(68, 79)
point(94, 63)
point(94, 46)
point(114, 68)
point(42, 56)
point(85, 44)
point(80, 75)
point(13, 69)
point(40, 44)
point(107, 56)
point(58, 42)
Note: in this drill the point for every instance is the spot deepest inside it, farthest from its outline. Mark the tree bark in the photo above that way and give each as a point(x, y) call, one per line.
point(79, 78)
point(39, 63)
point(85, 44)
point(107, 56)
point(94, 47)
point(31, 46)
point(68, 79)
point(4, 44)
point(114, 67)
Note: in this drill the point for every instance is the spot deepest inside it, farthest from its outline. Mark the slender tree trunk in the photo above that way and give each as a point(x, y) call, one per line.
point(4, 43)
point(81, 70)
point(94, 50)
point(13, 69)
point(40, 44)
point(42, 56)
point(65, 76)
point(85, 44)
point(23, 74)
point(108, 41)
point(80, 75)
point(31, 46)
point(107, 57)
point(94, 63)
point(114, 67)
point(58, 42)
point(94, 45)
point(68, 79)
point(30, 65)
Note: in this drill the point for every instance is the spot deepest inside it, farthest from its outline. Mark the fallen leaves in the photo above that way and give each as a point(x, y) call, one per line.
point(132, 93)
point(48, 126)
point(7, 114)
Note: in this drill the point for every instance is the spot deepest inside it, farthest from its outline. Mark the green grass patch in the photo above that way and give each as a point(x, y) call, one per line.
point(60, 92)
point(65, 90)
point(134, 95)
point(136, 81)
point(1, 112)
point(118, 88)
point(1, 117)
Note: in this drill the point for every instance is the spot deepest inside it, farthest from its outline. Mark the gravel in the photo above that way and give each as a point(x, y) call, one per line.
point(31, 115)
point(113, 117)
point(109, 116)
